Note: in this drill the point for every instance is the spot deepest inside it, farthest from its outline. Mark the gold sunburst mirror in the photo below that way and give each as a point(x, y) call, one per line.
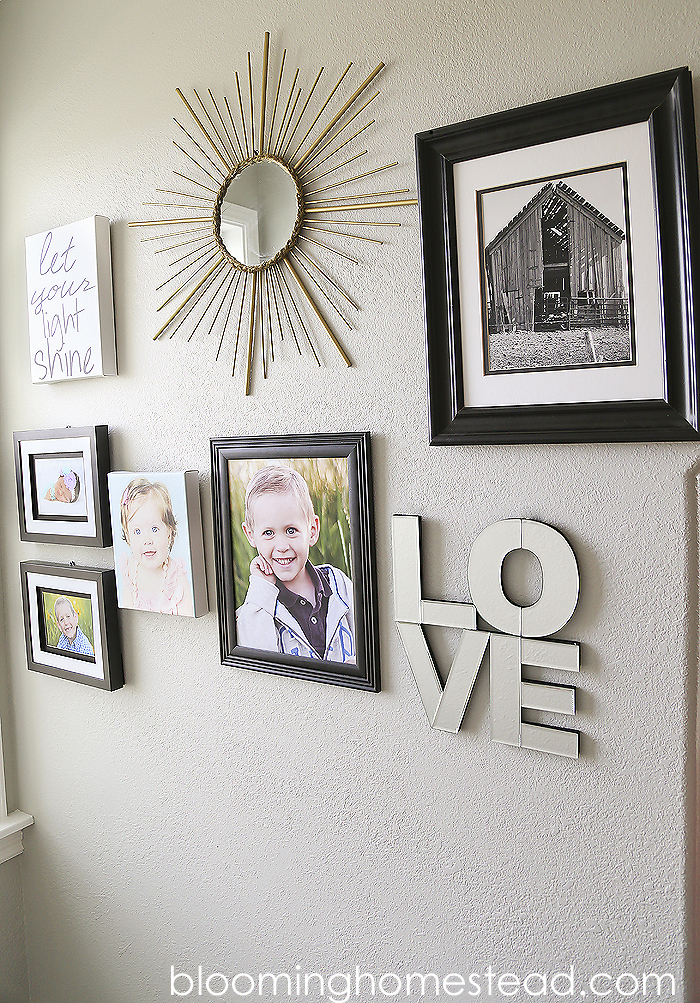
point(259, 201)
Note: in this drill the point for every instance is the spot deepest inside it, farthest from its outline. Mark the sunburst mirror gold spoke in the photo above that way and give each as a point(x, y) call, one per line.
point(270, 177)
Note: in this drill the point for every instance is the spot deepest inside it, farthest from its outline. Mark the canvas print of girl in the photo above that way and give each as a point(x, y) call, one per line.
point(157, 542)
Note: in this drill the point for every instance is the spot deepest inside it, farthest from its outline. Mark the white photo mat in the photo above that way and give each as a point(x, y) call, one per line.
point(70, 586)
point(645, 380)
point(30, 448)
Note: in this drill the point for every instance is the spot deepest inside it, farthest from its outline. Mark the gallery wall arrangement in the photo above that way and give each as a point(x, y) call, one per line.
point(272, 505)
point(547, 319)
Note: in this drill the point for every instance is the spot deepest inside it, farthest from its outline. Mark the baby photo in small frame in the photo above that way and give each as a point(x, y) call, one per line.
point(70, 623)
point(158, 545)
point(61, 478)
point(293, 528)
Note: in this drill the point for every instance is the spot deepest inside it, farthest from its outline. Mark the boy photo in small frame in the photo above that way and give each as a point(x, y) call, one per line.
point(62, 485)
point(66, 623)
point(70, 623)
point(295, 565)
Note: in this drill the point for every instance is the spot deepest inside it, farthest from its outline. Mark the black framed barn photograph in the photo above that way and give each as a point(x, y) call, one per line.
point(560, 250)
point(70, 623)
point(293, 536)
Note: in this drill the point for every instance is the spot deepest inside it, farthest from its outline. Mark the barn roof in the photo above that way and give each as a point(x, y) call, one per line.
point(567, 194)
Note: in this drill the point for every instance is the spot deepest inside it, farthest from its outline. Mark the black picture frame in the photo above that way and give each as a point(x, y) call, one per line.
point(355, 447)
point(665, 102)
point(96, 589)
point(86, 447)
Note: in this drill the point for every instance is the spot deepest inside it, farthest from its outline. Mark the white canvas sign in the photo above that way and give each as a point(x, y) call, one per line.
point(71, 308)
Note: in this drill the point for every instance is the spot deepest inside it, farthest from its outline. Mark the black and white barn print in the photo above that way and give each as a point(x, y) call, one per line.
point(556, 288)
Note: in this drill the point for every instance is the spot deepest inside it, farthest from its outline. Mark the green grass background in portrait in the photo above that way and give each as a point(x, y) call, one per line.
point(83, 605)
point(327, 479)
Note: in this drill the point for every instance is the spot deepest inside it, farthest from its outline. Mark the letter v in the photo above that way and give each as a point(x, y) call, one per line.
point(445, 707)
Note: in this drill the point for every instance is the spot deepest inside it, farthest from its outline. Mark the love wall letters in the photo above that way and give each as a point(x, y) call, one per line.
point(516, 641)
point(71, 307)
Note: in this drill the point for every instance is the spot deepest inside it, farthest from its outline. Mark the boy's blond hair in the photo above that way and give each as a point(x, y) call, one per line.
point(67, 601)
point(277, 479)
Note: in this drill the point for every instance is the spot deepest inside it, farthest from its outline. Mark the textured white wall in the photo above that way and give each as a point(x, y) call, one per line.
point(246, 821)
point(13, 956)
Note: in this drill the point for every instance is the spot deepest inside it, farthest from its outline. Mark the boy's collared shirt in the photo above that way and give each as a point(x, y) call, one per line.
point(311, 619)
point(264, 623)
point(80, 644)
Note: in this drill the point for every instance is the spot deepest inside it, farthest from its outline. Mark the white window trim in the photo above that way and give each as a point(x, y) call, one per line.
point(11, 825)
point(245, 222)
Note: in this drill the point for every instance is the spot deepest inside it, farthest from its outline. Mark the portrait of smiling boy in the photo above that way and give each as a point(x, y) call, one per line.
point(72, 638)
point(291, 606)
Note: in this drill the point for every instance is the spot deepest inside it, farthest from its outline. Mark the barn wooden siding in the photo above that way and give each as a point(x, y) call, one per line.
point(515, 264)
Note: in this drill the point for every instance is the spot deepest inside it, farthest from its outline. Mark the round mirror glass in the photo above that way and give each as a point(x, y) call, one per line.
point(258, 212)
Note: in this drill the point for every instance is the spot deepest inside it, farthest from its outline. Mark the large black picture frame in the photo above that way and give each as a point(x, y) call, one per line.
point(355, 447)
point(664, 101)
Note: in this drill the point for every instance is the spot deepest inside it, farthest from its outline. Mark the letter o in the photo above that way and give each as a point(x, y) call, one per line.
point(390, 975)
point(560, 579)
point(242, 975)
point(216, 975)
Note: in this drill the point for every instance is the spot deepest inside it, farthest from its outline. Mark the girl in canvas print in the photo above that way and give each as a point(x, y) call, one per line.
point(152, 579)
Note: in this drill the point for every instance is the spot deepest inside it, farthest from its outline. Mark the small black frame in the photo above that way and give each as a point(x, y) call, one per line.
point(93, 586)
point(90, 445)
point(665, 102)
point(364, 674)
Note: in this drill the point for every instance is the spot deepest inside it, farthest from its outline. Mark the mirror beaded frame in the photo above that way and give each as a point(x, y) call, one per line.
point(281, 295)
point(262, 158)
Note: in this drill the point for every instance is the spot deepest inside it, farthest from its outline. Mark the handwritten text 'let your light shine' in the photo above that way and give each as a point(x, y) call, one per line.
point(58, 303)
